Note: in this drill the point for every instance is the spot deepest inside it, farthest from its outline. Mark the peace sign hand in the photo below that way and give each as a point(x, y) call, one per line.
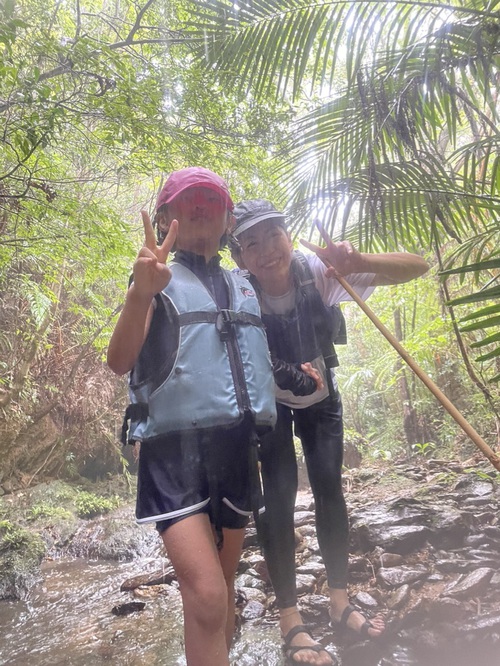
point(340, 258)
point(151, 273)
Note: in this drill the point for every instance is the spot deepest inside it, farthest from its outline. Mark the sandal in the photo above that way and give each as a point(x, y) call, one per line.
point(291, 650)
point(362, 631)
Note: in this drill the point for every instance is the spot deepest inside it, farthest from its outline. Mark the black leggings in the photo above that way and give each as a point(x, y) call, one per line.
point(320, 429)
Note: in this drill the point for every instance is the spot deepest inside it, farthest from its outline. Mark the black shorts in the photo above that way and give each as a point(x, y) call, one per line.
point(198, 472)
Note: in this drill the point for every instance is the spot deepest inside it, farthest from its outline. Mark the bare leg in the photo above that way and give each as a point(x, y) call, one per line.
point(229, 557)
point(289, 618)
point(339, 601)
point(191, 549)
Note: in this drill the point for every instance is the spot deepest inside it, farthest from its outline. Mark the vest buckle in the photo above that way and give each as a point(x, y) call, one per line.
point(222, 324)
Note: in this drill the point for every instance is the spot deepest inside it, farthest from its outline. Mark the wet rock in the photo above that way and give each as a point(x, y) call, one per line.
point(402, 539)
point(128, 608)
point(250, 579)
point(398, 598)
point(161, 577)
point(484, 623)
point(475, 540)
point(305, 583)
point(401, 575)
point(454, 565)
point(250, 539)
point(253, 610)
point(474, 487)
point(470, 585)
point(388, 560)
point(448, 610)
point(260, 568)
point(366, 600)
point(21, 552)
point(311, 567)
point(246, 594)
point(359, 563)
point(303, 518)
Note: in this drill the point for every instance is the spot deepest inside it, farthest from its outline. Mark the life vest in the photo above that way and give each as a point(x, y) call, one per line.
point(221, 369)
point(311, 328)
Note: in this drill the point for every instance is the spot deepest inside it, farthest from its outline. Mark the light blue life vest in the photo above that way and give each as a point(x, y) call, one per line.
point(222, 368)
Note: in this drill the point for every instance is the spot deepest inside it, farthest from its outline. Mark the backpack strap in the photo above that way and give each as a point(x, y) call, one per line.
point(305, 278)
point(223, 320)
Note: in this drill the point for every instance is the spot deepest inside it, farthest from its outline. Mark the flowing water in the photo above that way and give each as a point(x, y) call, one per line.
point(67, 620)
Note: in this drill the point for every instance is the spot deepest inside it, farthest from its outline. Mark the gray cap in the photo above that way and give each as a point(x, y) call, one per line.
point(251, 212)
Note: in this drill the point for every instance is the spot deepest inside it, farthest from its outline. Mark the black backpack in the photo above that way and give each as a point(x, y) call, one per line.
point(332, 332)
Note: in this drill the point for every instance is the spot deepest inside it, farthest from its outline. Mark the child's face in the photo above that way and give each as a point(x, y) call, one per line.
point(203, 219)
point(266, 249)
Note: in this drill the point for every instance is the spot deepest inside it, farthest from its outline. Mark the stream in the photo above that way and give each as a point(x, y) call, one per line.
point(68, 620)
point(425, 551)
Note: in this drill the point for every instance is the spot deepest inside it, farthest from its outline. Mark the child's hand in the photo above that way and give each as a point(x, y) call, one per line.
point(340, 258)
point(151, 273)
point(308, 369)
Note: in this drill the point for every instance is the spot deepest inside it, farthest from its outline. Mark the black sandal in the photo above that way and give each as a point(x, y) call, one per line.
point(291, 650)
point(362, 631)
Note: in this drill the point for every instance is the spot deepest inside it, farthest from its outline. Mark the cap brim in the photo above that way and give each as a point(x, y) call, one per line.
point(209, 186)
point(271, 215)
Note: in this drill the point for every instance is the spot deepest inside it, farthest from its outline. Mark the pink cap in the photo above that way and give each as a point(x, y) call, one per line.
point(181, 180)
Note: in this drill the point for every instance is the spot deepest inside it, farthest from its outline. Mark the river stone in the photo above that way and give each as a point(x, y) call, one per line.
point(366, 600)
point(312, 567)
point(488, 622)
point(472, 584)
point(493, 532)
point(160, 577)
point(402, 539)
point(253, 610)
point(401, 575)
point(252, 594)
point(477, 488)
point(305, 505)
point(128, 608)
point(388, 560)
point(303, 518)
point(251, 538)
point(308, 530)
point(449, 527)
point(249, 580)
point(474, 540)
point(399, 597)
point(445, 609)
point(454, 566)
point(305, 583)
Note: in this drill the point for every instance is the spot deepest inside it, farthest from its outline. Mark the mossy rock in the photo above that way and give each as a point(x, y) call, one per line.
point(21, 552)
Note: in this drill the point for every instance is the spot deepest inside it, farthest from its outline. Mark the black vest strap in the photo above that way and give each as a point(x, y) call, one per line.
point(228, 316)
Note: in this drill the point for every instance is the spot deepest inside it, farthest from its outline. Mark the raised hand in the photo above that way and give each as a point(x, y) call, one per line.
point(151, 273)
point(340, 258)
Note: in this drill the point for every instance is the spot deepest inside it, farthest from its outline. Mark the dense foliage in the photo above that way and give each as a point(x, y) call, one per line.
point(289, 100)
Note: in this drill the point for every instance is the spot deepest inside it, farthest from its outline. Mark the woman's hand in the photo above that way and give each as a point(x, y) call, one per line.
point(308, 369)
point(340, 258)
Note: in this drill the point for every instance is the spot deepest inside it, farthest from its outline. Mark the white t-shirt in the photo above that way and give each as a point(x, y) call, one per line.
point(331, 293)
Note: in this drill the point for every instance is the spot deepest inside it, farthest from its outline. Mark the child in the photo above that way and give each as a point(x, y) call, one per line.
point(296, 315)
point(202, 388)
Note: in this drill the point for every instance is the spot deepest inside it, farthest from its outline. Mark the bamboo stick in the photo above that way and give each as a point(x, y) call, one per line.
point(493, 457)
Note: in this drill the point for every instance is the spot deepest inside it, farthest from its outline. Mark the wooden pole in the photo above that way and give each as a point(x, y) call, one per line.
point(493, 457)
